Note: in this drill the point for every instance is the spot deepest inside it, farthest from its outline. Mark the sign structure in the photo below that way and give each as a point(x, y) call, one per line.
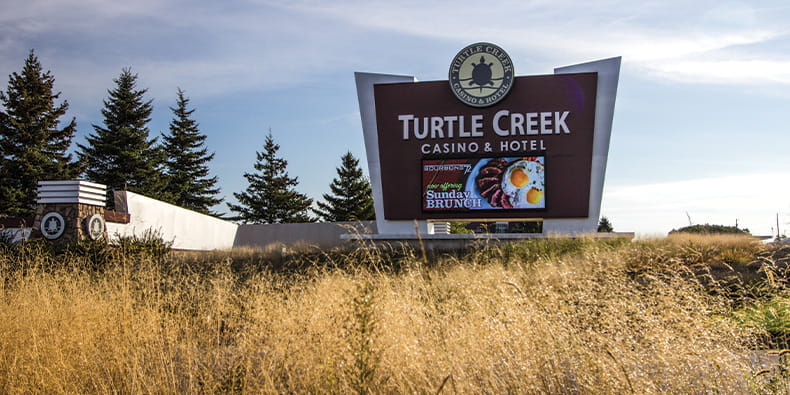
point(487, 145)
point(528, 156)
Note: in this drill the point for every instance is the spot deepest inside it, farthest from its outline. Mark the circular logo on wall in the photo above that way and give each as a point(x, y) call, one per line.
point(94, 226)
point(481, 74)
point(52, 225)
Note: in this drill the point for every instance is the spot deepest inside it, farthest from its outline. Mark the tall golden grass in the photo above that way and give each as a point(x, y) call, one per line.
point(551, 316)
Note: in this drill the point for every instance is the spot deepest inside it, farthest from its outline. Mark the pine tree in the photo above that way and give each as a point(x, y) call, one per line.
point(32, 147)
point(351, 198)
point(188, 183)
point(604, 225)
point(270, 197)
point(120, 155)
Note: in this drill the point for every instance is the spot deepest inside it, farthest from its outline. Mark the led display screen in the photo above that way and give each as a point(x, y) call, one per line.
point(491, 183)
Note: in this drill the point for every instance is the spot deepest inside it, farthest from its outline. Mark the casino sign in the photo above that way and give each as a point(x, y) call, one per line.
point(487, 144)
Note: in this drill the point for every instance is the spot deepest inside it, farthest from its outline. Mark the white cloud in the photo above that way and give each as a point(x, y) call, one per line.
point(44, 15)
point(227, 46)
point(751, 199)
point(725, 71)
point(668, 39)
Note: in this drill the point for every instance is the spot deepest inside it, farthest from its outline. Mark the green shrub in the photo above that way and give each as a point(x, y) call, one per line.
point(150, 244)
point(711, 229)
point(771, 316)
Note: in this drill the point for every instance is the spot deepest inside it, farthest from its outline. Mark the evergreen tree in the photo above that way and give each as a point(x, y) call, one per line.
point(351, 198)
point(32, 147)
point(270, 197)
point(120, 155)
point(188, 183)
point(604, 225)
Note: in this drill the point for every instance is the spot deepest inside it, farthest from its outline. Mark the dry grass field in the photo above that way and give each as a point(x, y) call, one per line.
point(676, 315)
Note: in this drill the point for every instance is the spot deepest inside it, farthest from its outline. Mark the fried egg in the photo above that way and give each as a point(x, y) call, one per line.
point(523, 183)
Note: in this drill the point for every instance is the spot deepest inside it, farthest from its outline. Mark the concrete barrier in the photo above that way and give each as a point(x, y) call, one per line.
point(188, 230)
point(15, 234)
point(324, 235)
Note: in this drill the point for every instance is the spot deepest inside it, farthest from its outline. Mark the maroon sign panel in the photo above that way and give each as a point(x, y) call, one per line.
point(527, 157)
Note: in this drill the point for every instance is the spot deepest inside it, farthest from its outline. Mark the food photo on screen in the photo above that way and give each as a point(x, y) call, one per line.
point(501, 183)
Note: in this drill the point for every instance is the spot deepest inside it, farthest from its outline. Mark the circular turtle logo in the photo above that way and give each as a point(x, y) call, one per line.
point(95, 226)
point(481, 74)
point(52, 225)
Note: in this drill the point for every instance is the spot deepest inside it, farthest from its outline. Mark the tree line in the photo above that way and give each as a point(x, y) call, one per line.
point(121, 154)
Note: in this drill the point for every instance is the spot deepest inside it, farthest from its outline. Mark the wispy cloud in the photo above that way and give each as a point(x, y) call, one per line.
point(752, 199)
point(214, 48)
point(726, 71)
point(653, 36)
point(227, 46)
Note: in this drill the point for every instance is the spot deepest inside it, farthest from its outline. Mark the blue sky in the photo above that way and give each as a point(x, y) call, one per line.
point(700, 122)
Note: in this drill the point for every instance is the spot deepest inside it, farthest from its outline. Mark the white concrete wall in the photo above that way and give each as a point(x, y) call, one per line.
point(608, 76)
point(16, 234)
point(188, 230)
point(367, 111)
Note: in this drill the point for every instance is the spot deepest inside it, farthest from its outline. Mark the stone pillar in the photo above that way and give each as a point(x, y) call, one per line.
point(70, 210)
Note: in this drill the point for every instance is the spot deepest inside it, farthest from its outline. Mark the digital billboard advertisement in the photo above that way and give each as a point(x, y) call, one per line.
point(504, 183)
point(486, 143)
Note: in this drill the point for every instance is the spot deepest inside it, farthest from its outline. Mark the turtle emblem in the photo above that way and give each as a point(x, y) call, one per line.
point(52, 225)
point(94, 226)
point(481, 73)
